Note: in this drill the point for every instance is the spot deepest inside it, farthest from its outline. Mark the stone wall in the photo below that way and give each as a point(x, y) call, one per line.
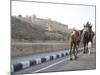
point(26, 49)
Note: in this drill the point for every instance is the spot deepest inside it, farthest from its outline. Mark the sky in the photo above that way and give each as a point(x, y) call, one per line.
point(71, 15)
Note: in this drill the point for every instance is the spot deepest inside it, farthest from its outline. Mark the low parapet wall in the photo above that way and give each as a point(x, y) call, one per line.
point(20, 49)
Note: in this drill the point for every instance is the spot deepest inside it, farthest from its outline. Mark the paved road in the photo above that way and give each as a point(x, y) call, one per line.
point(84, 62)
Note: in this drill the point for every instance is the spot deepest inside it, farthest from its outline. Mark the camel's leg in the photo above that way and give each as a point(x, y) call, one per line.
point(75, 51)
point(71, 45)
point(84, 47)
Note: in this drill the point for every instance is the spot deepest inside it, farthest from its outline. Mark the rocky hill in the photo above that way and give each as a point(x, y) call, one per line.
point(21, 29)
point(24, 30)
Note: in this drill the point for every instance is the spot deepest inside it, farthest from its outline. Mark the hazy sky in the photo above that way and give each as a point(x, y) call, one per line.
point(71, 15)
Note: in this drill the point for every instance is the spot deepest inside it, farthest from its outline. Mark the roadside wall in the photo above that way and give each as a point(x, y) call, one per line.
point(26, 49)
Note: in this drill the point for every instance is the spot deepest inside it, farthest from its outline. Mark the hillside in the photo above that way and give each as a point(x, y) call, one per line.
point(21, 29)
